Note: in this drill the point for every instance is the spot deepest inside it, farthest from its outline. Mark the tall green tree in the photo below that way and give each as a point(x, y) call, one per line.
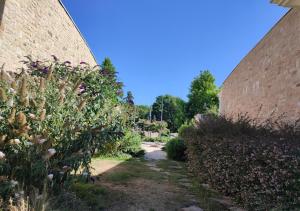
point(143, 111)
point(203, 96)
point(108, 66)
point(109, 70)
point(171, 109)
point(129, 99)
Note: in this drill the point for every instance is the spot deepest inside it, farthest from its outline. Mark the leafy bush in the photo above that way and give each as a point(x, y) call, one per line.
point(176, 149)
point(257, 164)
point(149, 139)
point(182, 128)
point(173, 111)
point(154, 126)
point(161, 139)
point(53, 119)
point(130, 144)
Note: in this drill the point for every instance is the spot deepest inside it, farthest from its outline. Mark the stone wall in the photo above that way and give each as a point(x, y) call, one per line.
point(40, 28)
point(267, 81)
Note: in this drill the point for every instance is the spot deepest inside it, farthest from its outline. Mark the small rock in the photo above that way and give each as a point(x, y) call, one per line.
point(155, 168)
point(205, 185)
point(224, 201)
point(167, 173)
point(192, 208)
point(184, 180)
point(236, 209)
point(175, 167)
point(151, 164)
point(186, 184)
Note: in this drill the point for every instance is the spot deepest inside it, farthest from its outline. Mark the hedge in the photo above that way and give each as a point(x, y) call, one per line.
point(256, 164)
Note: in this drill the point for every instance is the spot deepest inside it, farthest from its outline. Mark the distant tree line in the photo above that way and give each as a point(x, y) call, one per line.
point(202, 99)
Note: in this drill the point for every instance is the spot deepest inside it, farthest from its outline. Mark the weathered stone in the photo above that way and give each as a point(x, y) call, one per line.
point(265, 83)
point(39, 28)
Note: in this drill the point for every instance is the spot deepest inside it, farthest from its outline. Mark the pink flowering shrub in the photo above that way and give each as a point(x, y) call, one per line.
point(53, 118)
point(257, 165)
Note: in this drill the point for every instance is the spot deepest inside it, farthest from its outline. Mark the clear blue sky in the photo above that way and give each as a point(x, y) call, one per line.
point(159, 46)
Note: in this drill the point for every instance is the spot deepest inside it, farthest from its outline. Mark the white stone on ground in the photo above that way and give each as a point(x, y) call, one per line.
point(192, 208)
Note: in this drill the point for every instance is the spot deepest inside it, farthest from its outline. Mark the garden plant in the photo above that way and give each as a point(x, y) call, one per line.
point(54, 118)
point(257, 164)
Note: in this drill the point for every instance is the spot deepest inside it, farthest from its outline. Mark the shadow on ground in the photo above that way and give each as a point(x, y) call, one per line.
point(150, 183)
point(139, 184)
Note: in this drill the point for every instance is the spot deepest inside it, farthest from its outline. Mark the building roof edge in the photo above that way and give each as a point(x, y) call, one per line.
point(86, 43)
point(256, 45)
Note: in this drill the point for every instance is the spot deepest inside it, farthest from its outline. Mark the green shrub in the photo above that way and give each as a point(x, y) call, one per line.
point(256, 164)
point(182, 129)
point(131, 143)
point(53, 119)
point(149, 139)
point(154, 126)
point(176, 149)
point(161, 139)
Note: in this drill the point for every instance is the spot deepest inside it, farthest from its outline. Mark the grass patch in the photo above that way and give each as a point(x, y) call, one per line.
point(178, 172)
point(131, 169)
point(173, 166)
point(119, 157)
point(204, 196)
point(95, 196)
point(120, 177)
point(162, 139)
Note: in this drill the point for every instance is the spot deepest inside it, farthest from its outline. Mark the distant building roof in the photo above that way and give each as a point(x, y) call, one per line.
point(287, 3)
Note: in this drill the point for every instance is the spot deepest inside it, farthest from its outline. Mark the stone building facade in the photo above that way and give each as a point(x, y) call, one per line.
point(266, 83)
point(39, 28)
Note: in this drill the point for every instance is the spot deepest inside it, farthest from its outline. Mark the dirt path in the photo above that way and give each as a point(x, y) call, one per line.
point(152, 183)
point(153, 151)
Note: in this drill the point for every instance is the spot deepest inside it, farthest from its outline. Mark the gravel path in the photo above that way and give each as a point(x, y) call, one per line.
point(153, 183)
point(153, 151)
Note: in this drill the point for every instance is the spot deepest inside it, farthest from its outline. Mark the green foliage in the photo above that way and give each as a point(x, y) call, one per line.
point(130, 144)
point(256, 164)
point(129, 99)
point(142, 111)
point(182, 129)
point(118, 156)
point(129, 170)
point(161, 139)
point(173, 111)
point(53, 118)
point(154, 126)
point(203, 96)
point(94, 196)
point(108, 67)
point(176, 149)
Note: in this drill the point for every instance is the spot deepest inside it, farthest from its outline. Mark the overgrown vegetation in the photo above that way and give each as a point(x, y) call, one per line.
point(161, 139)
point(176, 149)
point(202, 99)
point(171, 110)
point(130, 144)
point(257, 164)
point(154, 126)
point(54, 117)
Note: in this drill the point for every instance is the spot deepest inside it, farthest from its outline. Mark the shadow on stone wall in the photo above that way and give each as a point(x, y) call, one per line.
point(2, 3)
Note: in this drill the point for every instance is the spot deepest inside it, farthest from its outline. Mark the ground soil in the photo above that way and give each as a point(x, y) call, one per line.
point(150, 183)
